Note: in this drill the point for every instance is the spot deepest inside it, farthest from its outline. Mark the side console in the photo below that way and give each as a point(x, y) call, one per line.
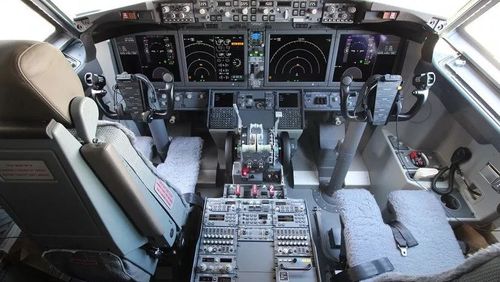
point(255, 240)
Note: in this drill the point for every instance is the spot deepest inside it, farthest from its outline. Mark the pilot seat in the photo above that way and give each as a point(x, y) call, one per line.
point(418, 243)
point(77, 186)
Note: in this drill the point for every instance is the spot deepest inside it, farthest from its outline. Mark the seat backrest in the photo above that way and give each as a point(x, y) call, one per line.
point(46, 184)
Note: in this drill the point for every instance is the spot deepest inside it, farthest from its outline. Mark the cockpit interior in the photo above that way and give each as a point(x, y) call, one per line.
point(249, 140)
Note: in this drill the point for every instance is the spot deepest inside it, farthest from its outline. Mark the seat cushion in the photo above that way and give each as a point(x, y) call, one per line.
point(423, 214)
point(182, 165)
point(144, 144)
point(368, 238)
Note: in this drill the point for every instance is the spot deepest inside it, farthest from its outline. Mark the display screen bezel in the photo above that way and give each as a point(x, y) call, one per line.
point(214, 84)
point(269, 33)
point(178, 54)
point(397, 63)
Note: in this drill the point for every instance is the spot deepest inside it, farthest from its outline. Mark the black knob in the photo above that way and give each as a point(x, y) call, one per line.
point(168, 77)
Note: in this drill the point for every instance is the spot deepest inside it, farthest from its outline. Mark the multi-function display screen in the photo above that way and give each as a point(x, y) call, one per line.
point(366, 54)
point(298, 58)
point(223, 100)
point(288, 100)
point(151, 55)
point(215, 58)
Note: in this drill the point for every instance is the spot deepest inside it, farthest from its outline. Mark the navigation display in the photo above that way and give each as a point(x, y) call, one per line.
point(299, 58)
point(366, 54)
point(215, 58)
point(151, 55)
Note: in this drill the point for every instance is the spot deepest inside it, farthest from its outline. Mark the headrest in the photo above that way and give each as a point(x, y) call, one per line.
point(37, 84)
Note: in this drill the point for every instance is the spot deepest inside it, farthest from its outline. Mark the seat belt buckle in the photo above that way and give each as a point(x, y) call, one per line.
point(403, 249)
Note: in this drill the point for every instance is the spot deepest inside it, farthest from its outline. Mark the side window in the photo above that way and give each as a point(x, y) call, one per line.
point(486, 38)
point(20, 22)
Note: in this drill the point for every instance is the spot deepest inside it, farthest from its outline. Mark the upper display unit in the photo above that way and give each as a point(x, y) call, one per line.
point(214, 58)
point(274, 58)
point(362, 55)
point(298, 58)
point(149, 54)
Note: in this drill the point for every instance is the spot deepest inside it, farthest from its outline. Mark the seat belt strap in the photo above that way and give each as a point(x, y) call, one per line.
point(365, 270)
point(403, 237)
point(193, 199)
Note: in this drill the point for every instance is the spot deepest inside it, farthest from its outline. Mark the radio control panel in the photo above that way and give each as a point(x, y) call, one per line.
point(247, 239)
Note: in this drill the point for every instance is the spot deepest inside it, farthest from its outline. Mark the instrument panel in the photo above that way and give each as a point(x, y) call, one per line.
point(259, 58)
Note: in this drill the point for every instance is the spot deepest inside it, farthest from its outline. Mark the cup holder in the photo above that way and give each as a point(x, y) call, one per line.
point(450, 201)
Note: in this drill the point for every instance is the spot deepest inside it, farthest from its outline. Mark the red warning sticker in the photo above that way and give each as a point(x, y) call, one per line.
point(164, 192)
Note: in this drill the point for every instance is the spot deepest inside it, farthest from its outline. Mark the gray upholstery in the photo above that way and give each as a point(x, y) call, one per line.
point(368, 238)
point(144, 144)
point(184, 155)
point(482, 266)
point(423, 214)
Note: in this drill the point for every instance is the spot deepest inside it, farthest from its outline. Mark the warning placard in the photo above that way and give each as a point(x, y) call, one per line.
point(25, 170)
point(164, 193)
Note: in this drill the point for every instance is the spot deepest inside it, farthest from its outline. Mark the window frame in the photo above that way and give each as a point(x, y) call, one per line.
point(65, 31)
point(468, 47)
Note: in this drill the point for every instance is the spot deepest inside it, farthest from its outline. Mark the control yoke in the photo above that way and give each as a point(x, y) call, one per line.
point(422, 84)
point(97, 83)
point(375, 104)
point(140, 100)
point(366, 105)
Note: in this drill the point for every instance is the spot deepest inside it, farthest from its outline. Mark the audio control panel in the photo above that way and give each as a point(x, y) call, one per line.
point(271, 241)
point(340, 12)
point(190, 100)
point(326, 101)
point(177, 12)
